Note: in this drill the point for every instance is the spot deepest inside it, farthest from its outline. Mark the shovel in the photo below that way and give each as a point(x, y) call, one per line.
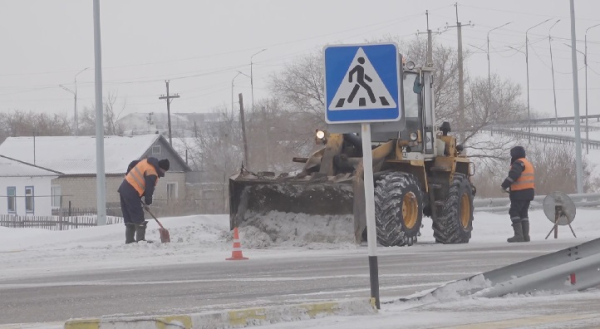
point(164, 234)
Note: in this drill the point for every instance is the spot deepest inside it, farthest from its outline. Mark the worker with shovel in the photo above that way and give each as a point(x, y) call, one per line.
point(139, 182)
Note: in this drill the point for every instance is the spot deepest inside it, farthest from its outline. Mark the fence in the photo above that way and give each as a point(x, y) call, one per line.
point(503, 204)
point(111, 210)
point(54, 223)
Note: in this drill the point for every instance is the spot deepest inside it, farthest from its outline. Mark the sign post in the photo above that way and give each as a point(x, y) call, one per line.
point(362, 86)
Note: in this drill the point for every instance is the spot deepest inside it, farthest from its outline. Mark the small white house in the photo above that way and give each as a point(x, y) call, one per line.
point(25, 188)
point(74, 157)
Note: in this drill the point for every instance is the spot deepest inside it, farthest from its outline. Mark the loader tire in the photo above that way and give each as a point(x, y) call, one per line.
point(398, 209)
point(455, 223)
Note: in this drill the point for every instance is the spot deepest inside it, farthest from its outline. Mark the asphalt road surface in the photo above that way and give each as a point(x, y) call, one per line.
point(237, 284)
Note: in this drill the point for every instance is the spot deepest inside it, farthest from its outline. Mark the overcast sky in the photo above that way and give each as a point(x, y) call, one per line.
point(200, 46)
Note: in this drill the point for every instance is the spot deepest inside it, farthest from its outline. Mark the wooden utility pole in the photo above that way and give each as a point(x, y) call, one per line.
point(243, 122)
point(168, 97)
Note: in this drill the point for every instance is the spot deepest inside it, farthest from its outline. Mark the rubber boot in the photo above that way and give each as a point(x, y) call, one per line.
point(140, 231)
point(129, 233)
point(518, 228)
point(525, 225)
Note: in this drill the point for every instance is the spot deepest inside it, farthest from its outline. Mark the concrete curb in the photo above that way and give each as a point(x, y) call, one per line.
point(231, 318)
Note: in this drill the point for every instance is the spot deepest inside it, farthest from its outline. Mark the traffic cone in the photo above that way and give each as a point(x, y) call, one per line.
point(236, 254)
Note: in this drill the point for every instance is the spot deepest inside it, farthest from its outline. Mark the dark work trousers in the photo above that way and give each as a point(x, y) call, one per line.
point(519, 210)
point(131, 206)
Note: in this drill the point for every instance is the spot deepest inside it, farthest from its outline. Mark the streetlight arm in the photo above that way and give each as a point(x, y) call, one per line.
point(577, 50)
point(498, 27)
point(256, 54)
point(515, 49)
point(537, 25)
point(242, 73)
point(591, 28)
point(550, 29)
point(80, 72)
point(67, 89)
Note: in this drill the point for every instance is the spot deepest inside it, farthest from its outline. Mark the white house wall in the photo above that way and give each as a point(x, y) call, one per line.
point(41, 192)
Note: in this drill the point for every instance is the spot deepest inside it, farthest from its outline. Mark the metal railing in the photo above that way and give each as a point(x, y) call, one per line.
point(553, 120)
point(503, 204)
point(541, 137)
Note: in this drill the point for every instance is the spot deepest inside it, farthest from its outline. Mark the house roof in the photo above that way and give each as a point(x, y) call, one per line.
point(73, 155)
point(10, 167)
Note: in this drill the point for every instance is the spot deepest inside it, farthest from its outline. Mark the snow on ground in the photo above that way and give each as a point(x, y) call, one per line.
point(206, 238)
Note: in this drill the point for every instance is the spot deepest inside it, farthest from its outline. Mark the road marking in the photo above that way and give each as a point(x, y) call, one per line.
point(526, 322)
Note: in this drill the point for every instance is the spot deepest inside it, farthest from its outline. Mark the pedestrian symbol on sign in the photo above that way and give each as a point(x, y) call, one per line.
point(361, 82)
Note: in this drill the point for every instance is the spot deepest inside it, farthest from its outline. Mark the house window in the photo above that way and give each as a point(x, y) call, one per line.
point(11, 193)
point(171, 191)
point(29, 199)
point(56, 196)
point(156, 150)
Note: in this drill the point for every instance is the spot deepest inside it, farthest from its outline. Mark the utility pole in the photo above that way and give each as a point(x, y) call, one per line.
point(243, 122)
point(100, 169)
point(461, 83)
point(527, 64)
point(552, 66)
point(429, 42)
point(168, 97)
point(578, 162)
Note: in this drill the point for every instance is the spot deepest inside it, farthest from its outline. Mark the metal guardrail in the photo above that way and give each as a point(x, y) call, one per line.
point(503, 204)
point(551, 120)
point(570, 269)
point(541, 137)
point(546, 127)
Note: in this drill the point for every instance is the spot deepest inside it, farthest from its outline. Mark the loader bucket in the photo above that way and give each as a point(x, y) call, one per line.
point(281, 206)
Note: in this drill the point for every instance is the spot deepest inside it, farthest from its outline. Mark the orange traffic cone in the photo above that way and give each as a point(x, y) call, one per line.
point(236, 254)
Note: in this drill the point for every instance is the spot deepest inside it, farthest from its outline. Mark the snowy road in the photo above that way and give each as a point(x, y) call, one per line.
point(48, 276)
point(224, 285)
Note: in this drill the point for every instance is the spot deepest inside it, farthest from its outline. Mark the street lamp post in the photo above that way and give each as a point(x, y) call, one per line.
point(74, 92)
point(552, 66)
point(489, 65)
point(587, 136)
point(527, 62)
point(238, 73)
point(75, 116)
point(578, 160)
point(488, 53)
point(251, 76)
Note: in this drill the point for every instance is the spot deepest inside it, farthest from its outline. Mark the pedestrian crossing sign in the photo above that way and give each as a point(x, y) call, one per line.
point(362, 83)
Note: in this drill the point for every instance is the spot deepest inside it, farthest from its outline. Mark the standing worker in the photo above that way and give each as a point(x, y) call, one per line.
point(140, 180)
point(522, 190)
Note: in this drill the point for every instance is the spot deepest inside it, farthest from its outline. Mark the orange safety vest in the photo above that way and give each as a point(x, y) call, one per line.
point(526, 181)
point(136, 176)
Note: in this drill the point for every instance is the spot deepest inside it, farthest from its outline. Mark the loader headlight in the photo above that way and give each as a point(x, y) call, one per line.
point(320, 134)
point(413, 136)
point(320, 137)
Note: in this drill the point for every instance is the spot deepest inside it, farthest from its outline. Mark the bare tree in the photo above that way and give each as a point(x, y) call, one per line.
point(112, 113)
point(276, 135)
point(300, 88)
point(20, 123)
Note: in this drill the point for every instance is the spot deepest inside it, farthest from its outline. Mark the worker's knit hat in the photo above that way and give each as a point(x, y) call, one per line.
point(164, 164)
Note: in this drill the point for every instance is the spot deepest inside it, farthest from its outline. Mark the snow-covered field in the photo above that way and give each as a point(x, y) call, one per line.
point(206, 238)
